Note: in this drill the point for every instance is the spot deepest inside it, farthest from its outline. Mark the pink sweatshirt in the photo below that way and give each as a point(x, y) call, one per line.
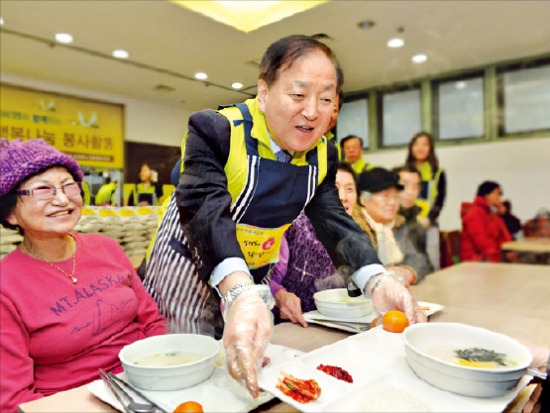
point(56, 334)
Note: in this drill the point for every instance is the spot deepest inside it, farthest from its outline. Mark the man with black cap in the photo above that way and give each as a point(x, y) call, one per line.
point(379, 198)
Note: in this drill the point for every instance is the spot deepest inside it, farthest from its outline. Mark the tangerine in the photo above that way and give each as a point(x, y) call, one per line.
point(395, 321)
point(189, 407)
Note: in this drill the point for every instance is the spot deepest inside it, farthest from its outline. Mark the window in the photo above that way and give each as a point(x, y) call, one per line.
point(401, 118)
point(524, 99)
point(459, 108)
point(353, 119)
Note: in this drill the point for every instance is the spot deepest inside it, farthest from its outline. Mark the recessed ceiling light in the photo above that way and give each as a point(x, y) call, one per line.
point(366, 24)
point(201, 76)
point(396, 42)
point(419, 58)
point(120, 54)
point(237, 85)
point(64, 38)
point(1, 21)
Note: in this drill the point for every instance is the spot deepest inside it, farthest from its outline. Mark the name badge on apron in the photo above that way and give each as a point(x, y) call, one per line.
point(260, 246)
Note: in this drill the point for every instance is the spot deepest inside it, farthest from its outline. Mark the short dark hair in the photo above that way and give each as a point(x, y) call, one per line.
point(347, 138)
point(7, 204)
point(346, 167)
point(285, 51)
point(407, 168)
point(486, 187)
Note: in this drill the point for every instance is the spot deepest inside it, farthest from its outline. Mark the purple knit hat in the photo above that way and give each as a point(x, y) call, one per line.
point(18, 160)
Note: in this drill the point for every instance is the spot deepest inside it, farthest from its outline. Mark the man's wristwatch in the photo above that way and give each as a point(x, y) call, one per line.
point(236, 290)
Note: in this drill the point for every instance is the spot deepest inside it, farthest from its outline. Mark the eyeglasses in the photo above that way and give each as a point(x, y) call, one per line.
point(45, 192)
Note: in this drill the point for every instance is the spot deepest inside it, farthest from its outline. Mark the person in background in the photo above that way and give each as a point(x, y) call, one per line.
point(513, 224)
point(249, 170)
point(175, 173)
point(379, 198)
point(353, 153)
point(483, 230)
point(106, 194)
point(333, 119)
point(86, 197)
point(409, 177)
point(148, 191)
point(69, 302)
point(433, 187)
point(304, 265)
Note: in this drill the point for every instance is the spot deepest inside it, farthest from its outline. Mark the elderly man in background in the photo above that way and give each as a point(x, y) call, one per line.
point(379, 198)
point(353, 153)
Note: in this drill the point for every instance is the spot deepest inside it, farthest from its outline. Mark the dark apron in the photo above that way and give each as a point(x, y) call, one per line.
point(274, 195)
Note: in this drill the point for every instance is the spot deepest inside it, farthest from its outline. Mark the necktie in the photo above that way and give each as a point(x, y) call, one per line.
point(283, 156)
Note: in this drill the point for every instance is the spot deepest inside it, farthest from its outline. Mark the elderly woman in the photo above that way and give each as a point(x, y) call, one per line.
point(304, 265)
point(69, 302)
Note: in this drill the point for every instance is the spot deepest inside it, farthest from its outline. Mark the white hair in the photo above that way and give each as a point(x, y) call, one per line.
point(366, 195)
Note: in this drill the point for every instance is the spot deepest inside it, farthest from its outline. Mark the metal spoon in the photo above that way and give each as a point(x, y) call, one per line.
point(359, 326)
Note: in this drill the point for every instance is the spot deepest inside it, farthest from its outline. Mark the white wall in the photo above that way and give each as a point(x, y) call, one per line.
point(144, 121)
point(521, 167)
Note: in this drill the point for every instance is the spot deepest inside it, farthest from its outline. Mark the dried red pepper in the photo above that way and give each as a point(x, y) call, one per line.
point(336, 371)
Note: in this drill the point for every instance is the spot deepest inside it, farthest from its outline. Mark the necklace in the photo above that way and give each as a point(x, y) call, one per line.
point(73, 250)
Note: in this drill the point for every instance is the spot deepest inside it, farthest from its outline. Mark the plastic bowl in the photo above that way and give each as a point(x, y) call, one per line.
point(424, 340)
point(336, 303)
point(170, 377)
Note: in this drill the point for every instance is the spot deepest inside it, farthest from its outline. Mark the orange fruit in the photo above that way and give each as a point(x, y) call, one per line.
point(189, 407)
point(374, 322)
point(395, 321)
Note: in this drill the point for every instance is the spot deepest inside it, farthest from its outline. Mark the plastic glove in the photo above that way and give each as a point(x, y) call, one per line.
point(247, 331)
point(387, 293)
point(404, 273)
point(289, 307)
point(540, 354)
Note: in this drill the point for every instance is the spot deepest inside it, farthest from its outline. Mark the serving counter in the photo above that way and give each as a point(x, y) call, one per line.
point(507, 298)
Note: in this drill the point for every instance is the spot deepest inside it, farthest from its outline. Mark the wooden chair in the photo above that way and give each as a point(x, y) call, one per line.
point(449, 242)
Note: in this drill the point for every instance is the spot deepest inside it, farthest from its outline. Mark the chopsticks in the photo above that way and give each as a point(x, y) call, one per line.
point(107, 381)
point(136, 391)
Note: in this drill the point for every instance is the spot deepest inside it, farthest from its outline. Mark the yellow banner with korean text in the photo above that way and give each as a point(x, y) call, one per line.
point(90, 131)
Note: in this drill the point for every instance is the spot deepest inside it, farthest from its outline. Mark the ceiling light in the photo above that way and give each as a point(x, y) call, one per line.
point(201, 76)
point(247, 16)
point(120, 54)
point(396, 42)
point(419, 58)
point(64, 38)
point(367, 24)
point(237, 85)
point(1, 21)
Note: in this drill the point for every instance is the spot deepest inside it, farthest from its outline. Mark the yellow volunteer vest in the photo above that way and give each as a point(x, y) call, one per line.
point(432, 181)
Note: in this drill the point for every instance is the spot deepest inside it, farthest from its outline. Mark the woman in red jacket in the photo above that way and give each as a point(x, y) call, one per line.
point(483, 230)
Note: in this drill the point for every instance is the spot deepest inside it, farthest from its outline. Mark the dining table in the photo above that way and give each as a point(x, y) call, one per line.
point(538, 247)
point(511, 299)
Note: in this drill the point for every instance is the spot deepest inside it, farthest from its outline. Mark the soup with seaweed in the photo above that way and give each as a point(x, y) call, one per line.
point(473, 357)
